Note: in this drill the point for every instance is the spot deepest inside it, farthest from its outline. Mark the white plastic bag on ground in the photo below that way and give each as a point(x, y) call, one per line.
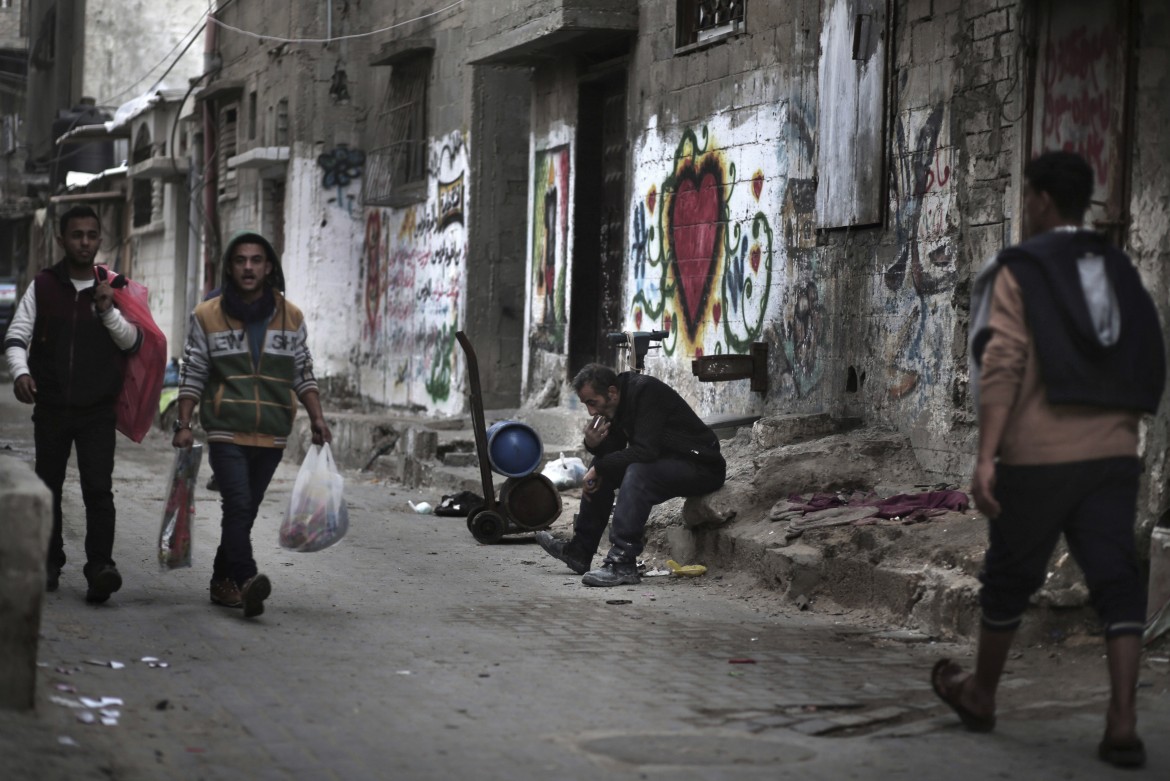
point(317, 516)
point(564, 472)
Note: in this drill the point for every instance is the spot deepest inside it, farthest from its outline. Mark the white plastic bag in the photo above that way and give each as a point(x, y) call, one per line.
point(317, 516)
point(565, 472)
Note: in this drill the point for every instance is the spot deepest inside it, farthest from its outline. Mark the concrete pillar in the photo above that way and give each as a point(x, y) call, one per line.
point(26, 507)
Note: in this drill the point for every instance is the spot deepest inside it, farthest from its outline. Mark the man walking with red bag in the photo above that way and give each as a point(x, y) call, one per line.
point(66, 349)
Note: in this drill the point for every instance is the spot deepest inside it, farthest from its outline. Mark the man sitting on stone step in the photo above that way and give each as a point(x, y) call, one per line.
point(647, 441)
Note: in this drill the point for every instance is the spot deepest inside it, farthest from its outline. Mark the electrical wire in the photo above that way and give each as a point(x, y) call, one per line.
point(198, 27)
point(200, 23)
point(278, 39)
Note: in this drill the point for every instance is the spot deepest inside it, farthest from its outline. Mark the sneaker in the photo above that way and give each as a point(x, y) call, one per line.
point(102, 583)
point(256, 589)
point(224, 591)
point(612, 574)
point(52, 578)
point(559, 549)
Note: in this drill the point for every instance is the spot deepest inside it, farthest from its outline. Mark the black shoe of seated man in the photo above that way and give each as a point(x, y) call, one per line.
point(103, 581)
point(560, 550)
point(612, 574)
point(52, 578)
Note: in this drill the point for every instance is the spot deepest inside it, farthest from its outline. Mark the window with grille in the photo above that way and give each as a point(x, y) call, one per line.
point(228, 144)
point(700, 21)
point(396, 170)
point(280, 131)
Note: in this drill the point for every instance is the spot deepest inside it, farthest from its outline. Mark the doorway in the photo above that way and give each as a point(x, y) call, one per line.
point(600, 220)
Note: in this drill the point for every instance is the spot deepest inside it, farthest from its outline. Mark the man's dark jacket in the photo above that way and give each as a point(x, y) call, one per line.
point(1076, 367)
point(653, 422)
point(72, 358)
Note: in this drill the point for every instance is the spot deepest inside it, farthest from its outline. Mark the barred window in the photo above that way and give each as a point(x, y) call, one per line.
point(228, 144)
point(699, 21)
point(396, 170)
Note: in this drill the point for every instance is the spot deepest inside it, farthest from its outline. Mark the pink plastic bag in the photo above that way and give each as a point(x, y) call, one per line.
point(142, 381)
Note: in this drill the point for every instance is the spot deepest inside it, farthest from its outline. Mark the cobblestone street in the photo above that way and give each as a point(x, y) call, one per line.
point(409, 651)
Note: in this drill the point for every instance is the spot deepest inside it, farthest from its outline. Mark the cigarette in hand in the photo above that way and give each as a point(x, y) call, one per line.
point(596, 421)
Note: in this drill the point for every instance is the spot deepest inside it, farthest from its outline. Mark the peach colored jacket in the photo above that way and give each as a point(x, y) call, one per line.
point(1038, 432)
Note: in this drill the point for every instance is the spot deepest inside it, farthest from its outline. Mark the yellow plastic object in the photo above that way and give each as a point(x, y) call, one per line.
point(686, 571)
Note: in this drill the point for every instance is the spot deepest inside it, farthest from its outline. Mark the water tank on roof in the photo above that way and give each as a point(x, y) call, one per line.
point(90, 157)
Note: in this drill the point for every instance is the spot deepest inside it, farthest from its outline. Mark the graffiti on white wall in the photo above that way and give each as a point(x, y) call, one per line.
point(341, 165)
point(549, 248)
point(702, 243)
point(414, 262)
point(925, 224)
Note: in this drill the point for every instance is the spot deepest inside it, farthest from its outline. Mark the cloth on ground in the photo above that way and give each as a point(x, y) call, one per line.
point(910, 508)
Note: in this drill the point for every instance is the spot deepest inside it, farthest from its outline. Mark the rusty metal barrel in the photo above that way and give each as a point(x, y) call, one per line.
point(531, 502)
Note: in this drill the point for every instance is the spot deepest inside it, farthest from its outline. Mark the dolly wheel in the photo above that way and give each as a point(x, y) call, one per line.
point(487, 527)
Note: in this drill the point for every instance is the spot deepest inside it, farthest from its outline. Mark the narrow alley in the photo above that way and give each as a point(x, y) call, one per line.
point(410, 651)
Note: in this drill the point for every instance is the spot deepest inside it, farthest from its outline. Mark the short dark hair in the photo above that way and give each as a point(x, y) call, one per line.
point(600, 377)
point(77, 213)
point(1066, 177)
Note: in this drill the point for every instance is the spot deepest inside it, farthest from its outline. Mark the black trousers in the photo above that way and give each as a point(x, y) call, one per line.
point(1092, 503)
point(243, 474)
point(643, 486)
point(56, 431)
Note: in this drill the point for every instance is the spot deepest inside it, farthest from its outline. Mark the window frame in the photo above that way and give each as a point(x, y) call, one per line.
point(392, 177)
point(227, 178)
point(689, 36)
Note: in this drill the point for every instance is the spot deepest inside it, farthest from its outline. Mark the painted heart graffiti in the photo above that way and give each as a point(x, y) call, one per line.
point(696, 272)
point(696, 222)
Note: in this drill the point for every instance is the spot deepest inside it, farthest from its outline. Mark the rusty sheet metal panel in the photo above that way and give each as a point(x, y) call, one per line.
point(852, 91)
point(1079, 94)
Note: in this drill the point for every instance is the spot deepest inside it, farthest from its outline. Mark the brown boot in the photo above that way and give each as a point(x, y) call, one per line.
point(225, 592)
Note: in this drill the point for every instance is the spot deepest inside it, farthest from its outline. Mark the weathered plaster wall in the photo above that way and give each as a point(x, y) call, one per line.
point(867, 320)
point(707, 262)
point(157, 262)
point(129, 43)
point(721, 246)
point(413, 265)
point(551, 208)
point(1149, 232)
point(906, 350)
point(497, 250)
point(322, 244)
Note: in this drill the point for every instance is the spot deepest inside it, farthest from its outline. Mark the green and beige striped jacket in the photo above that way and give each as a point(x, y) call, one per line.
point(242, 402)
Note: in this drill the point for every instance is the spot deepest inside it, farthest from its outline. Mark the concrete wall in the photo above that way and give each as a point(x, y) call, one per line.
point(1149, 232)
point(130, 43)
point(727, 155)
point(496, 258)
point(26, 505)
point(415, 265)
point(13, 34)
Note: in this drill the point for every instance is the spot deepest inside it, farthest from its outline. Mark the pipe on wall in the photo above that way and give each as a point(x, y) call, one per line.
point(210, 169)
